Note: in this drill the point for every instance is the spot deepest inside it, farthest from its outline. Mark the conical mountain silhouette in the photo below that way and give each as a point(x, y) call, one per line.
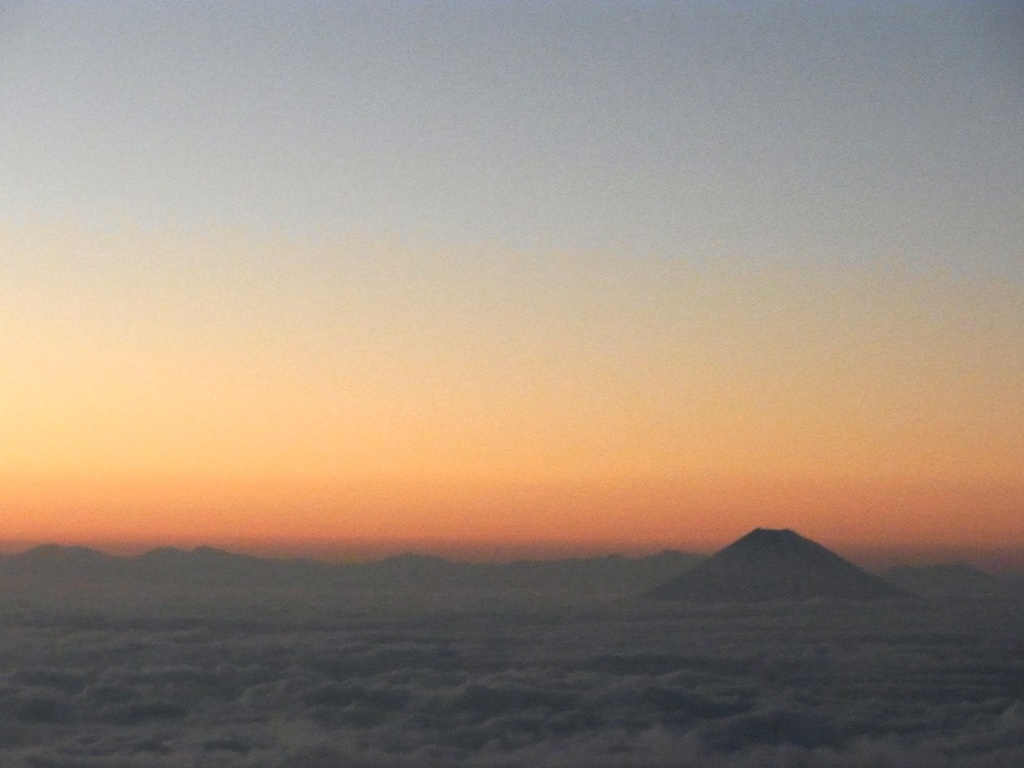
point(775, 565)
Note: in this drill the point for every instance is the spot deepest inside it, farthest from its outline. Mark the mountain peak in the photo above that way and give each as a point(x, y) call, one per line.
point(774, 532)
point(775, 564)
point(772, 536)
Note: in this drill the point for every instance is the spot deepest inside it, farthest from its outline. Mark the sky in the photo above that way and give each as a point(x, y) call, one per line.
point(512, 277)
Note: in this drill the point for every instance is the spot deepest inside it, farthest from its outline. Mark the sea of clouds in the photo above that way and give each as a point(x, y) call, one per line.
point(126, 676)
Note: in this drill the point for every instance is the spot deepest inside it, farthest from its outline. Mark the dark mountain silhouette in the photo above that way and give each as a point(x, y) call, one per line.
point(64, 562)
point(607, 574)
point(957, 580)
point(775, 565)
point(217, 567)
point(210, 567)
point(51, 553)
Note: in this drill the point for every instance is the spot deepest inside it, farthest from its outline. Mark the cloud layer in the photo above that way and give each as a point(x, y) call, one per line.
point(221, 679)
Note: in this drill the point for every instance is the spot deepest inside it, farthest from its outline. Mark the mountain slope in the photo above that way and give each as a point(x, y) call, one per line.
point(775, 565)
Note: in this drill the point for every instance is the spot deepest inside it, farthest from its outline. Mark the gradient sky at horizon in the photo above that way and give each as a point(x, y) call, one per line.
point(523, 274)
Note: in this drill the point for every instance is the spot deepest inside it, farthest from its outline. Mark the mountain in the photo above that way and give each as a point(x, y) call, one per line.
point(775, 565)
point(586, 577)
point(63, 562)
point(958, 580)
point(215, 567)
point(207, 567)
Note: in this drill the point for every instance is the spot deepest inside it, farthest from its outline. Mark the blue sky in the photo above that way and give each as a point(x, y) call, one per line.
point(868, 131)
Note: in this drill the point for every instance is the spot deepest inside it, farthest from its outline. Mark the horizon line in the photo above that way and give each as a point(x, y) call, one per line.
point(336, 552)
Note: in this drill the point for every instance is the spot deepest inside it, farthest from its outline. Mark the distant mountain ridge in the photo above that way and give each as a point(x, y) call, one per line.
point(763, 565)
point(958, 580)
point(209, 566)
point(769, 564)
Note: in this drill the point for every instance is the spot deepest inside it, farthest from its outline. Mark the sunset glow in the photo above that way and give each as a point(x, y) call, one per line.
point(383, 384)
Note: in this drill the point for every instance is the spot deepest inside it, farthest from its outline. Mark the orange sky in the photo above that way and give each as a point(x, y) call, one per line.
point(513, 277)
point(167, 389)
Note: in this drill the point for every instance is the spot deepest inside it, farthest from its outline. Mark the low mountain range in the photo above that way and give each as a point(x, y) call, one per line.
point(211, 567)
point(954, 580)
point(764, 565)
